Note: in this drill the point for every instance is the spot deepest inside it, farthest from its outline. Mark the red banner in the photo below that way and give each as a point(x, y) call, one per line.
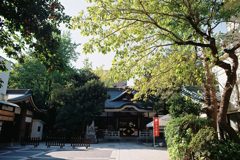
point(156, 127)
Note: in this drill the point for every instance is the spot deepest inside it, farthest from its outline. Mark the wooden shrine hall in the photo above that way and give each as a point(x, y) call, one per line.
point(17, 115)
point(122, 118)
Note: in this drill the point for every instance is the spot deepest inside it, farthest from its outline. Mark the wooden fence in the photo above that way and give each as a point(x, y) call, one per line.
point(30, 141)
point(85, 142)
point(55, 141)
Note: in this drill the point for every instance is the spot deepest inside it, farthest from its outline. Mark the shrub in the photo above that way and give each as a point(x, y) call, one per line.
point(181, 107)
point(190, 137)
point(204, 143)
point(179, 134)
point(226, 149)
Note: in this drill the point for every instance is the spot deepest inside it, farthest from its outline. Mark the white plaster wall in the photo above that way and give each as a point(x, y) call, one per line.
point(4, 76)
point(35, 125)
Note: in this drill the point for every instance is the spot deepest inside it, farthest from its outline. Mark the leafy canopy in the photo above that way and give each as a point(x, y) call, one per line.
point(32, 24)
point(166, 39)
point(105, 76)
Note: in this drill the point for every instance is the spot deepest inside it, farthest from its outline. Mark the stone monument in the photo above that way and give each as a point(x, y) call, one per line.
point(91, 133)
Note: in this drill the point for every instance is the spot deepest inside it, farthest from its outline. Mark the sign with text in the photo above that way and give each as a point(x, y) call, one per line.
point(156, 127)
point(6, 113)
point(6, 118)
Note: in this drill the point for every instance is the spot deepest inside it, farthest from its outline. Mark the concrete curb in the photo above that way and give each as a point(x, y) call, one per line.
point(113, 155)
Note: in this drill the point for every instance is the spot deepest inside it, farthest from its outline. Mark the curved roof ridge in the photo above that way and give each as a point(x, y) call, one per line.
point(114, 99)
point(127, 103)
point(22, 95)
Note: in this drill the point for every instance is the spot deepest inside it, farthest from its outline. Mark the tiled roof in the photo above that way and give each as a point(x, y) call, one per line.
point(196, 93)
point(9, 104)
point(115, 102)
point(21, 95)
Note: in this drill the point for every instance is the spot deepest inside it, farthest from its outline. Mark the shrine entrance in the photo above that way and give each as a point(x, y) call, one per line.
point(128, 126)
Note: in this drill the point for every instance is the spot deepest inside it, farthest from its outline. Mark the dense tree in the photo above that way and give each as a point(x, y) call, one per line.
point(34, 75)
point(154, 103)
point(143, 32)
point(30, 75)
point(180, 106)
point(155, 97)
point(3, 68)
point(34, 23)
point(79, 103)
point(105, 76)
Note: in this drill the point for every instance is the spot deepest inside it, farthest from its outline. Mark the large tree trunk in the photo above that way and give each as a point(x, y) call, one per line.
point(210, 96)
point(211, 100)
point(237, 93)
point(223, 113)
point(231, 81)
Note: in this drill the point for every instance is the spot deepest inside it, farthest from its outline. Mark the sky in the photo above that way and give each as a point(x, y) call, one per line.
point(72, 8)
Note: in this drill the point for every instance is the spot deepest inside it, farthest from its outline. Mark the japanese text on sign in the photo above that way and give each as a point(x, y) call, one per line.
point(156, 127)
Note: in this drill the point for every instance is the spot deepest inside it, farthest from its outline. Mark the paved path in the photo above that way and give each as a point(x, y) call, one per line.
point(101, 151)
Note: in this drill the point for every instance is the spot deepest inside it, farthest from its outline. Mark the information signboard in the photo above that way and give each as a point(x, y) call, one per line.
point(156, 127)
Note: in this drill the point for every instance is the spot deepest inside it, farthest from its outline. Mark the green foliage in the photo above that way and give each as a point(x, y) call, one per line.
point(35, 76)
point(34, 23)
point(180, 106)
point(66, 52)
point(163, 38)
point(226, 149)
point(204, 143)
point(105, 76)
point(79, 103)
point(87, 65)
point(83, 76)
point(179, 135)
point(3, 68)
point(30, 75)
point(154, 103)
point(189, 137)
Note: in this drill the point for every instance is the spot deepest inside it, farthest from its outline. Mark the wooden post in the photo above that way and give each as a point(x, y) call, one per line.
point(153, 135)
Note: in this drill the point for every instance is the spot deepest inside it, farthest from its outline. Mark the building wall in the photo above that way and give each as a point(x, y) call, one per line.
point(222, 78)
point(4, 76)
point(37, 128)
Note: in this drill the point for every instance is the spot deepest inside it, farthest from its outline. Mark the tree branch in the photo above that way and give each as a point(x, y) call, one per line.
point(229, 51)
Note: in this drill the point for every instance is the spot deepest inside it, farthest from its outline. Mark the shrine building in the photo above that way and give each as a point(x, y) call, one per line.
point(123, 119)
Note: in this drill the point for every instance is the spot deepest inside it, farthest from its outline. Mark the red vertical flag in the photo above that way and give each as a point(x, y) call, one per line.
point(156, 127)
